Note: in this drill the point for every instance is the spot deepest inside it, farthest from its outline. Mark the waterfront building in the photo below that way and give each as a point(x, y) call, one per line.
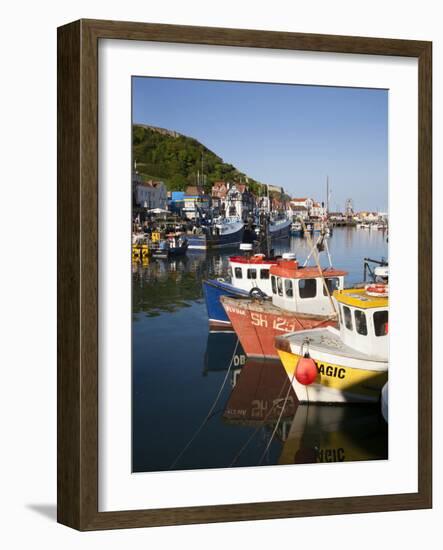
point(318, 210)
point(149, 194)
point(233, 199)
point(304, 201)
point(196, 203)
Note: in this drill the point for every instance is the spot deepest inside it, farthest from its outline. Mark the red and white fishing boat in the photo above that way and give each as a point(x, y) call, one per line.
point(300, 301)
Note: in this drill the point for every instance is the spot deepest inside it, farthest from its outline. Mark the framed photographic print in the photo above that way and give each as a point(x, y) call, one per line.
point(244, 269)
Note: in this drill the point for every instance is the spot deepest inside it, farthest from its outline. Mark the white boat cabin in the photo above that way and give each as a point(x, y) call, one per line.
point(251, 272)
point(364, 321)
point(302, 289)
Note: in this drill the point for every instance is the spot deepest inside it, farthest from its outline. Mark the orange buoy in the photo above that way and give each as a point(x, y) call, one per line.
point(306, 370)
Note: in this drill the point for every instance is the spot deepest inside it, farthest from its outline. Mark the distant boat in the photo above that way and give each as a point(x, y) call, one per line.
point(296, 229)
point(309, 228)
point(279, 228)
point(173, 245)
point(221, 233)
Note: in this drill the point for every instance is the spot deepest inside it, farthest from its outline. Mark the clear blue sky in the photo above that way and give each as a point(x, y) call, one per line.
point(287, 135)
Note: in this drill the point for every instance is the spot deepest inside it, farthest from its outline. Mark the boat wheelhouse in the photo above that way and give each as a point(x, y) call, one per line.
point(300, 300)
point(251, 272)
point(351, 362)
point(247, 274)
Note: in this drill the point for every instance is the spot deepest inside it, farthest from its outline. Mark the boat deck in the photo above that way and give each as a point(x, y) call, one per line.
point(323, 340)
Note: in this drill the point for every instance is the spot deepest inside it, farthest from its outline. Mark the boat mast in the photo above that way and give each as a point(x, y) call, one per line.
point(327, 195)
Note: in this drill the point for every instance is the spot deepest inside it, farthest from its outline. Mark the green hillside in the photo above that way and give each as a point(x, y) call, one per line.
point(176, 159)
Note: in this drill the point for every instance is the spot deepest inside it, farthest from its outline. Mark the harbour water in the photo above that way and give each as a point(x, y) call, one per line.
point(199, 403)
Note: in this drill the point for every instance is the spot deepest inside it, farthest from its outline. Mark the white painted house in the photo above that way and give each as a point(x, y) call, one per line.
point(151, 194)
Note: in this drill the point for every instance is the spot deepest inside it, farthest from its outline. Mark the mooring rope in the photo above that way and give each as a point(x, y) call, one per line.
point(210, 412)
point(254, 433)
point(278, 420)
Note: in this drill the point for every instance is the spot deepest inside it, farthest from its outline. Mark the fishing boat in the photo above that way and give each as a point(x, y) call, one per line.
point(174, 244)
point(249, 274)
point(344, 365)
point(221, 233)
point(300, 300)
point(296, 229)
point(279, 228)
point(309, 229)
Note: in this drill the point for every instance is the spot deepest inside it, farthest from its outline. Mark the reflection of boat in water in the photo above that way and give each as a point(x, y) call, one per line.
point(221, 349)
point(322, 433)
point(328, 365)
point(259, 395)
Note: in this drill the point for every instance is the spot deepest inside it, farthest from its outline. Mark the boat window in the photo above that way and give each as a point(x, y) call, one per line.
point(264, 274)
point(307, 288)
point(252, 273)
point(288, 288)
point(274, 286)
point(360, 322)
point(279, 286)
point(238, 273)
point(332, 284)
point(347, 317)
point(381, 323)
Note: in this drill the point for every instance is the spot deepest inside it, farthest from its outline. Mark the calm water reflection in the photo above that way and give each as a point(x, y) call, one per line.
point(179, 368)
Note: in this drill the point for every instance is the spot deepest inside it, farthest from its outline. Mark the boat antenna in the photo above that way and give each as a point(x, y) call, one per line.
point(314, 251)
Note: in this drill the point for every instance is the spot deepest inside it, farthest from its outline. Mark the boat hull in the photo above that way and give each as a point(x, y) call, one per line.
point(280, 231)
point(213, 290)
point(257, 324)
point(212, 241)
point(336, 381)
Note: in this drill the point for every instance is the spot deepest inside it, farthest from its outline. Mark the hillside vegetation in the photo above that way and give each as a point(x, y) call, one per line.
point(176, 159)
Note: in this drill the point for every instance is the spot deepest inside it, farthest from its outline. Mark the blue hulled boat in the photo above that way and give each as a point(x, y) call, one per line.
point(249, 274)
point(212, 290)
point(222, 233)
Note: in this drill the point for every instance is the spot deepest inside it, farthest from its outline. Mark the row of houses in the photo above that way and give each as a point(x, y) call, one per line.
point(306, 208)
point(226, 199)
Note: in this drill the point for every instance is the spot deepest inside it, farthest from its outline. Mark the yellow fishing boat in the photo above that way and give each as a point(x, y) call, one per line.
point(348, 364)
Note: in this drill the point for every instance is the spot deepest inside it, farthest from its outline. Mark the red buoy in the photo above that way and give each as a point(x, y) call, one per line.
point(306, 371)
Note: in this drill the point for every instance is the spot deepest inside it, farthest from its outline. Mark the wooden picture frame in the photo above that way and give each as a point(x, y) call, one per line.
point(78, 273)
